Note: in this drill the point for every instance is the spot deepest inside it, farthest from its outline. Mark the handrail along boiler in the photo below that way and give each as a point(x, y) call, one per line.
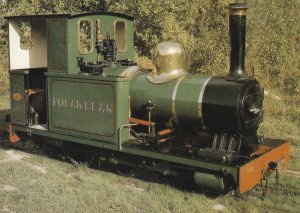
point(76, 82)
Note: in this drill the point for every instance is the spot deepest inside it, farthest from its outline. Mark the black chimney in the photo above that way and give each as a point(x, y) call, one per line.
point(237, 30)
point(102, 6)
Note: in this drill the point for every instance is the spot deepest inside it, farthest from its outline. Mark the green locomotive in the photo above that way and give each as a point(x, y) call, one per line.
point(73, 78)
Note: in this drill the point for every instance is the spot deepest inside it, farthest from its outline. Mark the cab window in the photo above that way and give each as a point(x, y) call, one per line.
point(120, 35)
point(85, 36)
point(25, 35)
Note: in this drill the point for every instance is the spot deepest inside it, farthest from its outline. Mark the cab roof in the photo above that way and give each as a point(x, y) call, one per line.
point(72, 15)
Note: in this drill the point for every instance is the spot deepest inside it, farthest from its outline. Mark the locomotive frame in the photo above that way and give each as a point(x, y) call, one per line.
point(59, 92)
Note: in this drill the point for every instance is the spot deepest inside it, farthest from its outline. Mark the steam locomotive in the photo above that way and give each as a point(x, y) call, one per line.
point(73, 79)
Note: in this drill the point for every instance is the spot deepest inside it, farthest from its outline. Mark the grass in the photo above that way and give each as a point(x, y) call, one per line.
point(4, 106)
point(4, 102)
point(282, 120)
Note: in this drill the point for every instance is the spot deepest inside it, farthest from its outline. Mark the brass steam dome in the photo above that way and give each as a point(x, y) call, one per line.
point(168, 59)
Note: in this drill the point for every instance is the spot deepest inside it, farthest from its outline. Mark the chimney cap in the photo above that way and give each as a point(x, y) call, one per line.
point(238, 6)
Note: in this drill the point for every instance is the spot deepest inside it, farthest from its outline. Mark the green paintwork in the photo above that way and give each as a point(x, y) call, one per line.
point(186, 99)
point(89, 107)
point(63, 41)
point(57, 45)
point(212, 182)
point(141, 91)
point(18, 107)
point(113, 71)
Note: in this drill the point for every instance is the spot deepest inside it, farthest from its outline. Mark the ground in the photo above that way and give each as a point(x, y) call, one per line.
point(33, 182)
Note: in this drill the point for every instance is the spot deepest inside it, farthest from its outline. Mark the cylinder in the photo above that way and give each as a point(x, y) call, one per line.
point(237, 31)
point(211, 182)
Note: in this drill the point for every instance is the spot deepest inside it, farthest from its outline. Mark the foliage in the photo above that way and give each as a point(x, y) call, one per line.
point(3, 81)
point(25, 35)
point(274, 43)
point(273, 34)
point(85, 36)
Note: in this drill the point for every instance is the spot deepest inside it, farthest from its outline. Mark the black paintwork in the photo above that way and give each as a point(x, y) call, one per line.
point(72, 15)
point(227, 104)
point(237, 28)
